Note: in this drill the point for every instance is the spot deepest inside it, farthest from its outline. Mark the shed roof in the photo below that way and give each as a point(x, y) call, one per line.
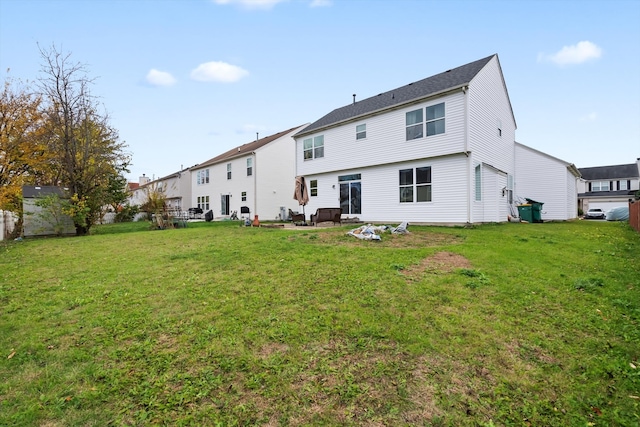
point(610, 172)
point(33, 191)
point(450, 79)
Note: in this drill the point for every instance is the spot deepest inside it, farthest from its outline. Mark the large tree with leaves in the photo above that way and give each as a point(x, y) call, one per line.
point(24, 158)
point(87, 155)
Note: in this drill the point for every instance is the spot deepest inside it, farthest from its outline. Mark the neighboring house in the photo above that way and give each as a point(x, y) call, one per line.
point(259, 176)
point(608, 187)
point(38, 221)
point(547, 180)
point(176, 188)
point(439, 150)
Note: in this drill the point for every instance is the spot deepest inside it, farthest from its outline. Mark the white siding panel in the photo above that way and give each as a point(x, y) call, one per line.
point(274, 170)
point(380, 193)
point(546, 180)
point(386, 140)
point(571, 196)
point(489, 106)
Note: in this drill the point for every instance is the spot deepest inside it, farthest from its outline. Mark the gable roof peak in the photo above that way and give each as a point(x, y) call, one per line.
point(411, 92)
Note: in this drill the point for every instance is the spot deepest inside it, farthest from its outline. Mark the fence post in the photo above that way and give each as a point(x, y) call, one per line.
point(634, 214)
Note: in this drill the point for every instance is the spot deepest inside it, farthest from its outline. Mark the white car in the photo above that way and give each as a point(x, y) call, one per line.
point(594, 213)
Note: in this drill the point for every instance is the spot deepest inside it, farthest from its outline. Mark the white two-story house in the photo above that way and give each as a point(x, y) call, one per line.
point(439, 150)
point(175, 187)
point(608, 187)
point(257, 177)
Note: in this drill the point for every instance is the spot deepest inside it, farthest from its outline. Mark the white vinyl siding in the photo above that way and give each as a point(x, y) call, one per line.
point(380, 201)
point(386, 137)
point(267, 189)
point(547, 180)
point(488, 103)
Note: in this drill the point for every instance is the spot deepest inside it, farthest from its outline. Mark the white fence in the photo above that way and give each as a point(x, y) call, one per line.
point(8, 222)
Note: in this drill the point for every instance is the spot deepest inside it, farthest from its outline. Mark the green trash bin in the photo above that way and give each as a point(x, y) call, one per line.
point(525, 212)
point(536, 210)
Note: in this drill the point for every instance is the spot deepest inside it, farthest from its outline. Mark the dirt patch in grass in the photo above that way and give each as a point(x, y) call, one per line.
point(440, 262)
point(272, 348)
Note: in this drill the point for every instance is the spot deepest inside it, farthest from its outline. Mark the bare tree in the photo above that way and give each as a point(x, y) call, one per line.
point(87, 153)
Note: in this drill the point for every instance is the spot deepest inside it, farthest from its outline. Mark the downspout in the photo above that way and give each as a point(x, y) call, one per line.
point(466, 150)
point(255, 188)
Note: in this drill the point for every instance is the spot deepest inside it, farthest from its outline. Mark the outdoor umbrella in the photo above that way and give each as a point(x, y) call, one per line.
point(301, 193)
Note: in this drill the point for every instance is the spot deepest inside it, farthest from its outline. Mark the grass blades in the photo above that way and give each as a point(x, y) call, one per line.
point(215, 324)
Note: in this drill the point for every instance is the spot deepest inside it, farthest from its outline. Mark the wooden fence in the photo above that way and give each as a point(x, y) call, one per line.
point(634, 215)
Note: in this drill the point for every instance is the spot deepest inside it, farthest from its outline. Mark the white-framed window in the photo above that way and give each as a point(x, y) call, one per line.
point(415, 185)
point(202, 177)
point(250, 166)
point(435, 119)
point(313, 187)
point(228, 170)
point(361, 131)
point(623, 185)
point(243, 196)
point(600, 186)
point(203, 202)
point(414, 124)
point(313, 147)
point(478, 180)
point(509, 188)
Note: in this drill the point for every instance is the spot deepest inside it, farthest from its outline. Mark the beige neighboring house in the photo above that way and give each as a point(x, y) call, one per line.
point(176, 188)
point(608, 187)
point(256, 178)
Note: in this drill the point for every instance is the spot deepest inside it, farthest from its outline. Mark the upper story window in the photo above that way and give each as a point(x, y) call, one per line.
point(313, 187)
point(600, 186)
point(414, 124)
point(415, 186)
point(202, 177)
point(623, 185)
point(361, 131)
point(250, 166)
point(228, 170)
point(313, 147)
point(243, 196)
point(435, 119)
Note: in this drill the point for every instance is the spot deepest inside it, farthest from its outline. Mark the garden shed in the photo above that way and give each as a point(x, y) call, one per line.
point(41, 220)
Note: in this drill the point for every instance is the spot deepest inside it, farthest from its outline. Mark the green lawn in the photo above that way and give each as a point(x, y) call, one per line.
point(221, 325)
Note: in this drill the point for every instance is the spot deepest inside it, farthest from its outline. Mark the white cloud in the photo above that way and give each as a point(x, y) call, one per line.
point(160, 78)
point(251, 4)
point(320, 3)
point(581, 52)
point(589, 117)
point(217, 71)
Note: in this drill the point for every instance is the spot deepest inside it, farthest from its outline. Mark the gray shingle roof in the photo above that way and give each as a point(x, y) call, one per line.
point(35, 191)
point(610, 172)
point(449, 79)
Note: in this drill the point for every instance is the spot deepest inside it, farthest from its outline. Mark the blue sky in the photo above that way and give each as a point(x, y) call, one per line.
point(184, 81)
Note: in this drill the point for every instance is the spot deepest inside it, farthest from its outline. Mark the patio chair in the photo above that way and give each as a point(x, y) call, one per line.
point(297, 217)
